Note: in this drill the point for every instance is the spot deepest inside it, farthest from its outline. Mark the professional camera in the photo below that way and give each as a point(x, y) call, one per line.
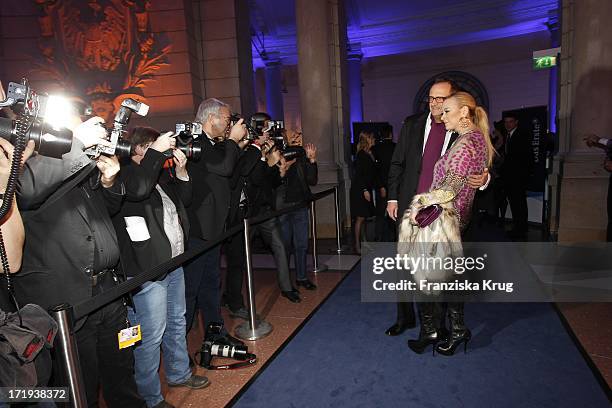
point(276, 130)
point(211, 347)
point(252, 132)
point(36, 115)
point(187, 134)
point(118, 146)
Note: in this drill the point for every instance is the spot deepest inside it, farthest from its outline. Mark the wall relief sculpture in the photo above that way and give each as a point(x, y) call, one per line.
point(100, 50)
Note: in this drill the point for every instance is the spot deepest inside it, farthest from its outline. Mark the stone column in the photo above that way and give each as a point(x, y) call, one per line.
point(355, 85)
point(586, 85)
point(221, 60)
point(322, 72)
point(274, 95)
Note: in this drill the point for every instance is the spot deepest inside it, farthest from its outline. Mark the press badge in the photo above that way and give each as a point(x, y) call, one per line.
point(130, 336)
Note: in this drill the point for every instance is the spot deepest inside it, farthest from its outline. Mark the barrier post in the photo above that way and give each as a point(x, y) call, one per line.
point(313, 223)
point(339, 249)
point(254, 329)
point(68, 354)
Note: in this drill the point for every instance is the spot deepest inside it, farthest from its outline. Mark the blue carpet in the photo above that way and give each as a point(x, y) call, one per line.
point(520, 356)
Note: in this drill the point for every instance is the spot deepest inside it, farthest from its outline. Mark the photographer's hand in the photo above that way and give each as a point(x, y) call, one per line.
point(311, 152)
point(164, 142)
point(180, 160)
point(109, 168)
point(284, 166)
point(91, 132)
point(238, 131)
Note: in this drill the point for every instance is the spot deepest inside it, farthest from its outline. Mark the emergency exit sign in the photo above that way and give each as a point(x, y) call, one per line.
point(544, 59)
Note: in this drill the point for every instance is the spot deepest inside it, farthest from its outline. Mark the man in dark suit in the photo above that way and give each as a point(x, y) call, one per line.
point(422, 136)
point(209, 208)
point(71, 253)
point(515, 173)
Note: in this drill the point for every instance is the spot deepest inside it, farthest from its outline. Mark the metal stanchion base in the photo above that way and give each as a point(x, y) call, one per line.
point(244, 332)
point(321, 268)
point(340, 251)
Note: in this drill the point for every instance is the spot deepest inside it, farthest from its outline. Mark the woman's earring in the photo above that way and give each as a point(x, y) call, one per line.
point(464, 123)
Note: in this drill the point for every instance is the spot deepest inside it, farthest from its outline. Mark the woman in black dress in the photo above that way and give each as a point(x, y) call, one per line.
point(362, 185)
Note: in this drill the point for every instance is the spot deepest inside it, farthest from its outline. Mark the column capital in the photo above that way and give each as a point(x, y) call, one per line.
point(353, 52)
point(272, 59)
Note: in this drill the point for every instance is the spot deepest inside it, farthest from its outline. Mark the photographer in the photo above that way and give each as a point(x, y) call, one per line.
point(258, 173)
point(152, 227)
point(294, 189)
point(71, 253)
point(209, 208)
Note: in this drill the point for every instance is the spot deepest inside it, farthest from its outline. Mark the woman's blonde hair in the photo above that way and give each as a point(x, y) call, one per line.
point(365, 139)
point(479, 117)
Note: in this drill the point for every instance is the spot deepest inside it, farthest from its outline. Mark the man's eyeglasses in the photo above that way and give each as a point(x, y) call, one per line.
point(437, 99)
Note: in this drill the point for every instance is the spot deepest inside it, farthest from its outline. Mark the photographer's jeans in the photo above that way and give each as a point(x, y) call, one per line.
point(160, 311)
point(295, 236)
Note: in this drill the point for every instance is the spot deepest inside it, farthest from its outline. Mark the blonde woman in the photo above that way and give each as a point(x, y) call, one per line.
point(470, 154)
point(364, 181)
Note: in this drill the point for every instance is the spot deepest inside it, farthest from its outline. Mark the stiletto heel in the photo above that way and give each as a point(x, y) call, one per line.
point(459, 333)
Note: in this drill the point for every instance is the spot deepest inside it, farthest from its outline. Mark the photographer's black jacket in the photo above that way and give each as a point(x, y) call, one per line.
point(143, 200)
point(69, 233)
point(257, 180)
point(296, 184)
point(211, 188)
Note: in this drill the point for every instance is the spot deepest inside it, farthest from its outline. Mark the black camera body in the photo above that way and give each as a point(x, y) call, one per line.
point(211, 348)
point(188, 139)
point(276, 130)
point(118, 146)
point(29, 108)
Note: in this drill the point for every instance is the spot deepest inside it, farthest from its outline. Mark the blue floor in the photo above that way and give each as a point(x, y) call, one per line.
point(520, 356)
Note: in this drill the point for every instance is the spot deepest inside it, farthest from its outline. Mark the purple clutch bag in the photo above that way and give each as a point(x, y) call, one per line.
point(428, 215)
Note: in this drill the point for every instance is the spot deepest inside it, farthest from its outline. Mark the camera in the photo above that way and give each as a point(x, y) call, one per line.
point(211, 348)
point(118, 146)
point(186, 135)
point(34, 121)
point(276, 130)
point(252, 131)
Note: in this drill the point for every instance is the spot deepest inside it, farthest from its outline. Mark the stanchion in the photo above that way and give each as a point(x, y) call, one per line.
point(339, 249)
point(313, 223)
point(68, 354)
point(254, 329)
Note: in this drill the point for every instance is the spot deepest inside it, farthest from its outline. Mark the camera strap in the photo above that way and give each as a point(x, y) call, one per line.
point(251, 359)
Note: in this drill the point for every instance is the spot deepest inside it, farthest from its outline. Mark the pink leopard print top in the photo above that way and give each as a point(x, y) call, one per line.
point(467, 156)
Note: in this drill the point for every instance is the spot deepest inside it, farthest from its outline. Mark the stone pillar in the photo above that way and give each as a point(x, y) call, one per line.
point(274, 95)
point(221, 53)
point(553, 79)
point(322, 72)
point(586, 85)
point(355, 85)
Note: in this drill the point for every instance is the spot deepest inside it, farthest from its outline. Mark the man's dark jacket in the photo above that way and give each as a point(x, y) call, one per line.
point(211, 188)
point(59, 247)
point(143, 200)
point(405, 167)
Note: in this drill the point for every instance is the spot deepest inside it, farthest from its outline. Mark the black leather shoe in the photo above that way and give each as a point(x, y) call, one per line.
point(307, 284)
point(195, 382)
point(292, 295)
point(399, 328)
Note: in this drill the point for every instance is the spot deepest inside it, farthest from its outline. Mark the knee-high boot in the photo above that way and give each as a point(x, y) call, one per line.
point(427, 333)
point(459, 333)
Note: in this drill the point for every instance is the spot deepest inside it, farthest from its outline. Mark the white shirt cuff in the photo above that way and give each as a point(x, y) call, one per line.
point(484, 187)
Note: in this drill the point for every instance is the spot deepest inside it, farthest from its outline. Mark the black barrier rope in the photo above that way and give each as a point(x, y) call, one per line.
point(89, 306)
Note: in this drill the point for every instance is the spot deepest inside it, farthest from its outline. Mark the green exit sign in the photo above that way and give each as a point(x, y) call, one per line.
point(544, 59)
point(544, 62)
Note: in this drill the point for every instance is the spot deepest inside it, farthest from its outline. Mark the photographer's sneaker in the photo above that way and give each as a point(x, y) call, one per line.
point(194, 382)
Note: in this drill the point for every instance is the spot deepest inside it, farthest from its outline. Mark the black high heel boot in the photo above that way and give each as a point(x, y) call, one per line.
point(427, 333)
point(459, 333)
